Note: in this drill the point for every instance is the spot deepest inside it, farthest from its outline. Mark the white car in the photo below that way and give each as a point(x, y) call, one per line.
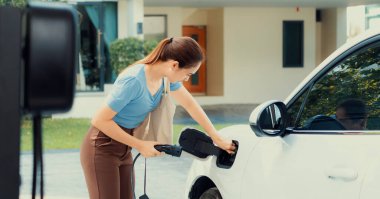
point(322, 142)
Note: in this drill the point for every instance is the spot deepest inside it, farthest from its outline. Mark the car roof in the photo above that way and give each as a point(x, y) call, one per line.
point(352, 42)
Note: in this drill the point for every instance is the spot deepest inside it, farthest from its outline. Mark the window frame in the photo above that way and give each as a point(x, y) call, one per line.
point(165, 17)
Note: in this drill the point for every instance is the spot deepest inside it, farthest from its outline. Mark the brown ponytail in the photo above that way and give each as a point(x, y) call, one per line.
point(185, 50)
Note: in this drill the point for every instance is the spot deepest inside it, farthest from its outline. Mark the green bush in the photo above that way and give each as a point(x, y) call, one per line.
point(124, 52)
point(149, 45)
point(14, 3)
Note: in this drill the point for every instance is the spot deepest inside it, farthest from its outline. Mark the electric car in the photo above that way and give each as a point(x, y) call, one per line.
point(322, 141)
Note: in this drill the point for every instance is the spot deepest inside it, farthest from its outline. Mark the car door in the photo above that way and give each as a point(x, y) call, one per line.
point(322, 156)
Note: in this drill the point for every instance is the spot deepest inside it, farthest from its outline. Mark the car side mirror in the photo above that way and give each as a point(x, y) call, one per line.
point(269, 119)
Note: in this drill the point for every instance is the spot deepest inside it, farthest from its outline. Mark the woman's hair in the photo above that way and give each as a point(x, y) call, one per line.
point(185, 50)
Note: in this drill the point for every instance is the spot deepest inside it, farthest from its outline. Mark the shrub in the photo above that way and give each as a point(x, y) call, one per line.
point(124, 52)
point(149, 45)
point(14, 3)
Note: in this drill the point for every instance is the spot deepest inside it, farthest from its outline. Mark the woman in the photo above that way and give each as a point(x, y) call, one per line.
point(106, 150)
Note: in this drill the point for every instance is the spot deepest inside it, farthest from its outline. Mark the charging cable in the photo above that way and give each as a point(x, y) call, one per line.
point(133, 181)
point(37, 156)
point(132, 176)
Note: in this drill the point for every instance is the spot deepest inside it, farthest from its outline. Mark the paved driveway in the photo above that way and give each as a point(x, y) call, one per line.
point(166, 176)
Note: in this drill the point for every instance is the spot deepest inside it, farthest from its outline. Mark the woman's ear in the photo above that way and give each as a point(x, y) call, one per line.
point(174, 65)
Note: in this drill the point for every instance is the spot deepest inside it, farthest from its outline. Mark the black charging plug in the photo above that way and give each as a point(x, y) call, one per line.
point(173, 150)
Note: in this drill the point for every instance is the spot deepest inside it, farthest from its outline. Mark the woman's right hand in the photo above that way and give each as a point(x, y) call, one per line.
point(146, 148)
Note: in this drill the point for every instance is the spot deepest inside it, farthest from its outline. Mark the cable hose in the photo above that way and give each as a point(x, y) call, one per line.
point(37, 156)
point(132, 176)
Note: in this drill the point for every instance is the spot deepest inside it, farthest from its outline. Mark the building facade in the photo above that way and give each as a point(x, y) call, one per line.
point(253, 53)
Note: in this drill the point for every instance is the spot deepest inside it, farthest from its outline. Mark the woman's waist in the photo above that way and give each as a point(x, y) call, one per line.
point(127, 123)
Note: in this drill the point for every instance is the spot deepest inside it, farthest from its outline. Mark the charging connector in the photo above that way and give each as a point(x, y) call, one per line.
point(173, 150)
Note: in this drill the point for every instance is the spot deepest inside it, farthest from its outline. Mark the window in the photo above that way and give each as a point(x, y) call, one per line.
point(98, 29)
point(292, 44)
point(155, 27)
point(372, 16)
point(352, 85)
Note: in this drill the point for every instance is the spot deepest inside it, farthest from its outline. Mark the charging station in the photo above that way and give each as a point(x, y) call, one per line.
point(38, 59)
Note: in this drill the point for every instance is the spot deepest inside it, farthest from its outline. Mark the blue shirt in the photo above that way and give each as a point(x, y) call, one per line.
point(131, 99)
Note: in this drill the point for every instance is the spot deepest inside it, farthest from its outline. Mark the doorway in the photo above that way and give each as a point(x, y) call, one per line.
point(197, 82)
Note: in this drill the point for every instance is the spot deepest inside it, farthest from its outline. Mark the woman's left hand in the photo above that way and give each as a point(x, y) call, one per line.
point(225, 144)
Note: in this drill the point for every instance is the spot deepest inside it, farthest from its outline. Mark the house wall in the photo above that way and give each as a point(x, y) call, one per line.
point(215, 52)
point(250, 50)
point(129, 13)
point(253, 53)
point(244, 55)
point(334, 30)
point(213, 20)
point(174, 17)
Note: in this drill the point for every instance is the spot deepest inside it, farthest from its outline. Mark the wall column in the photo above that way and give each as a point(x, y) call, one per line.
point(130, 18)
point(334, 30)
point(341, 26)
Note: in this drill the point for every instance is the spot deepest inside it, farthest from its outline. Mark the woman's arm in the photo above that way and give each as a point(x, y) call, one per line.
point(103, 121)
point(186, 100)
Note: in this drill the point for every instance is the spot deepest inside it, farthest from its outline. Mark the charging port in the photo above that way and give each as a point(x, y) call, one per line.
point(225, 160)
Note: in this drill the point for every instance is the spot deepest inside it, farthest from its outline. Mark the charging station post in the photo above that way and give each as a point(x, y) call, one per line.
point(38, 59)
point(10, 95)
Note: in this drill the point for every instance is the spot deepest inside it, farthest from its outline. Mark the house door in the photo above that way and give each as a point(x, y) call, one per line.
point(197, 82)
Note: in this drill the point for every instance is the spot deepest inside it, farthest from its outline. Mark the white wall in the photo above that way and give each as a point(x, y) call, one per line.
point(341, 26)
point(253, 53)
point(334, 30)
point(356, 21)
point(129, 13)
point(174, 16)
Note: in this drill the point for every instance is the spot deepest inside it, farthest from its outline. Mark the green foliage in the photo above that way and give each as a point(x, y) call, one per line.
point(149, 45)
point(13, 3)
point(124, 52)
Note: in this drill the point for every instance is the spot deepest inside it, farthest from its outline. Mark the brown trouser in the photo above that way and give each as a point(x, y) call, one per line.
point(107, 166)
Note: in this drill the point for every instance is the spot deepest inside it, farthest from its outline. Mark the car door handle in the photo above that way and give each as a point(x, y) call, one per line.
point(342, 173)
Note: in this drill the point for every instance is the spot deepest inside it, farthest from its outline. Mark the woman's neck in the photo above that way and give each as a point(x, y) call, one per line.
point(154, 72)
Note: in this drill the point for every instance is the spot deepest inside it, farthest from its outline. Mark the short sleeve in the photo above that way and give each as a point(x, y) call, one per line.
point(175, 86)
point(123, 91)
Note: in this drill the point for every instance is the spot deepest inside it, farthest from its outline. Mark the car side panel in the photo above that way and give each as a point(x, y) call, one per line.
point(370, 187)
point(311, 166)
point(228, 181)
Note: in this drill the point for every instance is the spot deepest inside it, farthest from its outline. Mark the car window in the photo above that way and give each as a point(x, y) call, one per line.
point(346, 98)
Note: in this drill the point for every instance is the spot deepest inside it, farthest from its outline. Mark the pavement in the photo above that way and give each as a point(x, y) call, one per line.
point(166, 175)
point(63, 177)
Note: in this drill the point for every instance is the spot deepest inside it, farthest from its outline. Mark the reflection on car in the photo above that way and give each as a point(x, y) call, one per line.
point(323, 141)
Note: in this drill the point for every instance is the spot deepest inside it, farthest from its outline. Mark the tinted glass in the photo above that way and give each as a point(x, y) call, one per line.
point(345, 98)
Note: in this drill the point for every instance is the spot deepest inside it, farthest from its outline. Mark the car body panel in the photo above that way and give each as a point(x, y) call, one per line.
point(370, 186)
point(310, 166)
point(208, 167)
point(302, 164)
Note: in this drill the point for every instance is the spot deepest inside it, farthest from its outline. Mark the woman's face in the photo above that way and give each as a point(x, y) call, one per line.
point(182, 74)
